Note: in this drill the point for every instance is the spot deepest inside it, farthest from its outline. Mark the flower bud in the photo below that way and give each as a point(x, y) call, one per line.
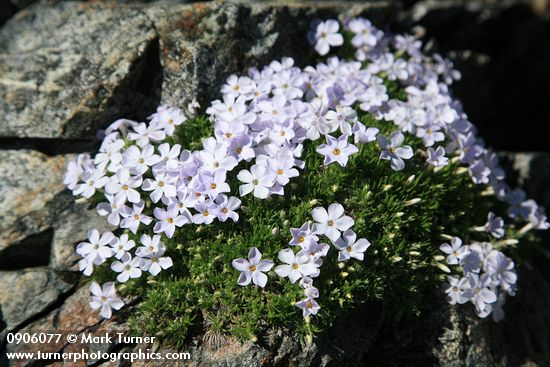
point(444, 268)
point(412, 202)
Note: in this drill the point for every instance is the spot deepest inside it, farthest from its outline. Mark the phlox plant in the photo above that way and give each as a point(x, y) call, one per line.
point(302, 193)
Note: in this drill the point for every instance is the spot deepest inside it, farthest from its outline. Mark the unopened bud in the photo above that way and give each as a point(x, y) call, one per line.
point(444, 268)
point(526, 228)
point(412, 202)
point(508, 242)
point(489, 191)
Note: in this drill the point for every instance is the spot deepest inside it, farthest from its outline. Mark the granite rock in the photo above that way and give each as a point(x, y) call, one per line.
point(70, 226)
point(29, 180)
point(30, 293)
point(71, 67)
point(202, 44)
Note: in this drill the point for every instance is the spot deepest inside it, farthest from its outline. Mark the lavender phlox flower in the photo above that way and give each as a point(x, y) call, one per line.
point(105, 298)
point(350, 247)
point(494, 225)
point(331, 222)
point(253, 269)
point(393, 151)
point(325, 35)
point(337, 150)
point(295, 266)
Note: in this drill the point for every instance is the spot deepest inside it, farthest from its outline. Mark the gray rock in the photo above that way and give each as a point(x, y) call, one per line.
point(29, 180)
point(202, 44)
point(71, 67)
point(26, 293)
point(71, 227)
point(39, 221)
point(68, 68)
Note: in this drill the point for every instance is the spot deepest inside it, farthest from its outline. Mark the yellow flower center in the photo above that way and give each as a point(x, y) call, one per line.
point(336, 151)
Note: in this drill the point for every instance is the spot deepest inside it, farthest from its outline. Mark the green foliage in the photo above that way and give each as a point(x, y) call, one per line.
point(200, 291)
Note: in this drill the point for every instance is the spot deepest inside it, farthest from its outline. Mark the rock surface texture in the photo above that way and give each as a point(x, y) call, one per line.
point(69, 68)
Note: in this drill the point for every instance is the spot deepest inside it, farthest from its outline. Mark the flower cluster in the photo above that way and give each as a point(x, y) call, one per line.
point(306, 263)
point(104, 247)
point(134, 166)
point(484, 276)
point(150, 187)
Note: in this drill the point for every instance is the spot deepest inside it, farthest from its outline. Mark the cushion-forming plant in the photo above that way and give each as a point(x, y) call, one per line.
point(301, 193)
